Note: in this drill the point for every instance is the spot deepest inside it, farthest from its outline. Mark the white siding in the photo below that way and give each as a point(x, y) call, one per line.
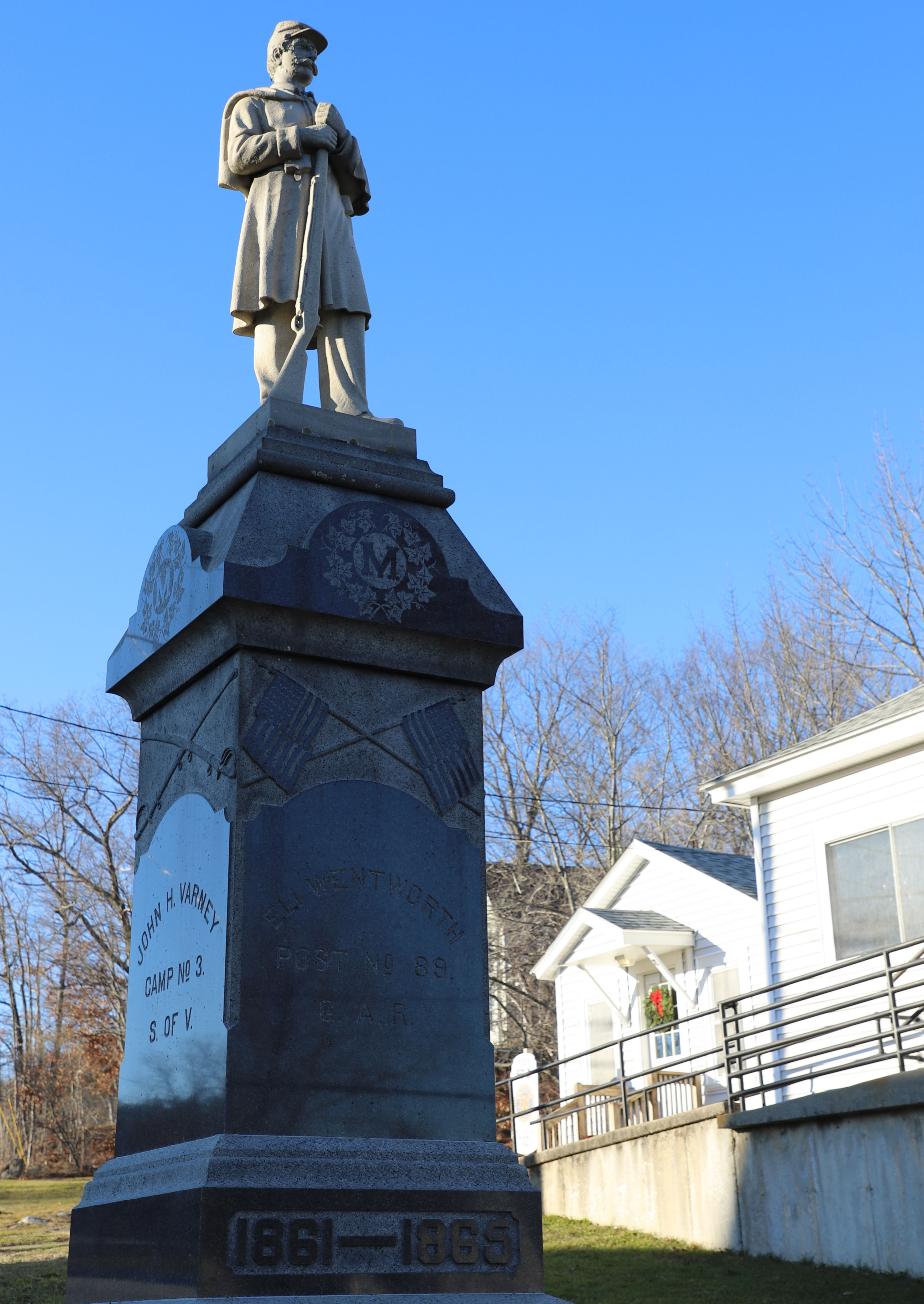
point(794, 828)
point(725, 924)
point(724, 920)
point(726, 930)
point(575, 993)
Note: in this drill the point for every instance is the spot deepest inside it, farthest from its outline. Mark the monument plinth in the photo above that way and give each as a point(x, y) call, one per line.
point(306, 1105)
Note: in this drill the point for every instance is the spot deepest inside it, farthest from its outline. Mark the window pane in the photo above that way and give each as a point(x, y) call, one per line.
point(909, 849)
point(667, 1044)
point(863, 907)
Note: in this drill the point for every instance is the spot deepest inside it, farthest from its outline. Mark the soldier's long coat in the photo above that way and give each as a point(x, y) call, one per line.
point(259, 135)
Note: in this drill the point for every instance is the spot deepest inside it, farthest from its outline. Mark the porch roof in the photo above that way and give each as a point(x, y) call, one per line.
point(637, 919)
point(622, 935)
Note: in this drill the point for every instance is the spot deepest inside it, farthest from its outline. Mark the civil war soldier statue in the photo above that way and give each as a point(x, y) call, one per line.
point(297, 281)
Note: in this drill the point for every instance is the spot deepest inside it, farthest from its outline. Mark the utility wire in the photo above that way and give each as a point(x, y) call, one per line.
point(495, 796)
point(610, 805)
point(538, 840)
point(74, 724)
point(65, 783)
point(120, 792)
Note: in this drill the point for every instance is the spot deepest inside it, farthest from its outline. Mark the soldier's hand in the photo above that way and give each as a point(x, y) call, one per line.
point(313, 138)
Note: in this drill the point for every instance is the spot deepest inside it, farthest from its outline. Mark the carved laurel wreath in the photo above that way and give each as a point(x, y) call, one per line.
point(162, 586)
point(381, 561)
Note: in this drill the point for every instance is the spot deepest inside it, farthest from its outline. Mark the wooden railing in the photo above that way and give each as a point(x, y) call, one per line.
point(602, 1109)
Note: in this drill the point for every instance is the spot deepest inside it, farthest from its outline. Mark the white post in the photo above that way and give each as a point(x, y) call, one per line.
point(526, 1128)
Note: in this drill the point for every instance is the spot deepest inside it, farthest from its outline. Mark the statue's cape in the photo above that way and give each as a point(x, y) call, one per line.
point(346, 162)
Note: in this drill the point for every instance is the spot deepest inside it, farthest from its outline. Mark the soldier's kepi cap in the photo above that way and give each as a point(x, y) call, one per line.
point(290, 30)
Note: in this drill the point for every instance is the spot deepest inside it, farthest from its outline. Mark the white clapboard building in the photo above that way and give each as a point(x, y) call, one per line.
point(838, 826)
point(815, 946)
point(677, 920)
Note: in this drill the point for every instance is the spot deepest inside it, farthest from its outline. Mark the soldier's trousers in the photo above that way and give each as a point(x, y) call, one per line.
point(341, 358)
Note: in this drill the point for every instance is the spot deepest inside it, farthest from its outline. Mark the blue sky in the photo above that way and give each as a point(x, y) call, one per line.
point(641, 274)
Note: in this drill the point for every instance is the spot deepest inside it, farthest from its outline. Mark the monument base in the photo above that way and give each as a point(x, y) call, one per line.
point(312, 1218)
point(531, 1297)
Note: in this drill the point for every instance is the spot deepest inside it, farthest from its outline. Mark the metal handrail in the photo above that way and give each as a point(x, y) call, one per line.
point(605, 1045)
point(871, 1016)
point(773, 1007)
point(767, 1046)
point(781, 1043)
point(626, 1083)
point(755, 1029)
point(841, 964)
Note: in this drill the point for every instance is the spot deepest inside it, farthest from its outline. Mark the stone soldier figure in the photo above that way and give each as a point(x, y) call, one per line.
point(296, 246)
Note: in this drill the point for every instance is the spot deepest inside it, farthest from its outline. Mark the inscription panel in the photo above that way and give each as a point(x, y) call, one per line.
point(172, 1081)
point(309, 1243)
point(363, 983)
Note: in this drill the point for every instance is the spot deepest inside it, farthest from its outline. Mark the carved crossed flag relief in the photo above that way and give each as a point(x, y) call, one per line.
point(287, 720)
point(446, 761)
point(289, 716)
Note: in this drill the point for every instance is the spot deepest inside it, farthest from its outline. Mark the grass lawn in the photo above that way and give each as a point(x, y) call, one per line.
point(584, 1264)
point(604, 1265)
point(33, 1258)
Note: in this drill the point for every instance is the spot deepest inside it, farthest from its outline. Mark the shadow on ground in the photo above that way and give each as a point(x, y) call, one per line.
point(33, 1283)
point(629, 1269)
point(627, 1274)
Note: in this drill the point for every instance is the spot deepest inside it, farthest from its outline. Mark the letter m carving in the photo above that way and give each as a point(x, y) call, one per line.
point(379, 561)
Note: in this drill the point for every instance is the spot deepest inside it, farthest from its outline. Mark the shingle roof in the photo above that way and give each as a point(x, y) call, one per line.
point(734, 871)
point(892, 709)
point(639, 919)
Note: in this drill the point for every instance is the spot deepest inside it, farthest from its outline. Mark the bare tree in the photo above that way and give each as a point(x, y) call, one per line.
point(587, 748)
point(22, 939)
point(865, 572)
point(572, 775)
point(743, 692)
point(67, 797)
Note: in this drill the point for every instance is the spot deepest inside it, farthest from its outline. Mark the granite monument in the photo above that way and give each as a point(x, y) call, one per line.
point(306, 1105)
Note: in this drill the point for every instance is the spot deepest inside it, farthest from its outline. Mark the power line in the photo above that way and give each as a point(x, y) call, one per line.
point(495, 796)
point(74, 724)
point(539, 837)
point(611, 805)
point(64, 783)
point(120, 792)
point(23, 796)
point(536, 839)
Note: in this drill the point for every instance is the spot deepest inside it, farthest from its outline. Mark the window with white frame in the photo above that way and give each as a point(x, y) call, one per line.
point(876, 885)
point(660, 1008)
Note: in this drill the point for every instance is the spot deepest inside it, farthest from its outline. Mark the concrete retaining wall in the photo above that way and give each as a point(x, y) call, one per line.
point(835, 1178)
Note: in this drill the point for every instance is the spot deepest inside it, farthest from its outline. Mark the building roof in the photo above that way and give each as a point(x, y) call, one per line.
point(641, 928)
point(886, 728)
point(734, 871)
point(637, 919)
